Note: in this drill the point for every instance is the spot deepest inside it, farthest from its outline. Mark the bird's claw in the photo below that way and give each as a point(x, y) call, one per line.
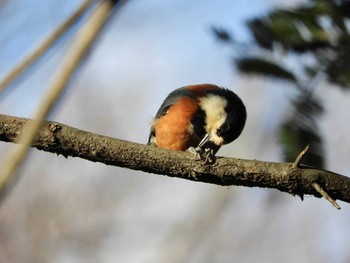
point(207, 155)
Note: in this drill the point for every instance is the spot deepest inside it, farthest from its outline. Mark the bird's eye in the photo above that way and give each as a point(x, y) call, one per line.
point(220, 130)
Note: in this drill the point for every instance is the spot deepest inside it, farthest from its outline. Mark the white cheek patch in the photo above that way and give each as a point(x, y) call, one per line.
point(214, 108)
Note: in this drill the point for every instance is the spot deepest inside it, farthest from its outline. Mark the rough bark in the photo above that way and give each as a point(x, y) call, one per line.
point(295, 179)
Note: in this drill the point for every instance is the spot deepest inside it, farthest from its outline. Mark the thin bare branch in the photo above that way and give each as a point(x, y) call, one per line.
point(326, 196)
point(71, 61)
point(61, 139)
point(44, 46)
point(300, 157)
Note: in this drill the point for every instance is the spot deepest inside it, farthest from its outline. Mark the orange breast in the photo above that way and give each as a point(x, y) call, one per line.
point(173, 130)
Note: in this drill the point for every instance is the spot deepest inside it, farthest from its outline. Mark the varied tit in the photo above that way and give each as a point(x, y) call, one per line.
point(201, 117)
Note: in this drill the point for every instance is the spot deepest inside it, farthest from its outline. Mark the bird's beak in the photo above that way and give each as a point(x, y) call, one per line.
point(205, 139)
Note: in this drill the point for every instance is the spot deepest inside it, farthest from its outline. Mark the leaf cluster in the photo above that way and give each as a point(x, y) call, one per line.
point(318, 30)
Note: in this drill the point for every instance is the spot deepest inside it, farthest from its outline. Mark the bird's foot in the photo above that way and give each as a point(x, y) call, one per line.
point(206, 155)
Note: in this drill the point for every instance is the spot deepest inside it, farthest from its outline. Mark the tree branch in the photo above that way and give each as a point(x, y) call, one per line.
point(286, 177)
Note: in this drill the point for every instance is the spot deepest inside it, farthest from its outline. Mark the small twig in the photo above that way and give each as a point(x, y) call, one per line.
point(300, 157)
point(43, 47)
point(326, 196)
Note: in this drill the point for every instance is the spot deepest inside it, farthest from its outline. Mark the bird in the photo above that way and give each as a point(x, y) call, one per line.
point(199, 118)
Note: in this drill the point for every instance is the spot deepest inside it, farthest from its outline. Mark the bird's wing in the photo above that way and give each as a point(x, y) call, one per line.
point(169, 100)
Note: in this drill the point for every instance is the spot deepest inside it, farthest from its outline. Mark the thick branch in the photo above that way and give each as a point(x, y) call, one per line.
point(286, 177)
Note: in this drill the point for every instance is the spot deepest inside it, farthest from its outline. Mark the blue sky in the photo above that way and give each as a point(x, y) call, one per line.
point(173, 31)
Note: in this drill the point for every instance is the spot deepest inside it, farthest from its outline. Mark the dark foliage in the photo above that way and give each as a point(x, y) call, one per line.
point(338, 69)
point(222, 34)
point(301, 130)
point(253, 65)
point(317, 27)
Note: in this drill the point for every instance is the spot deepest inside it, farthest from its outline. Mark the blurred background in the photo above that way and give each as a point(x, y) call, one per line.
point(71, 210)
